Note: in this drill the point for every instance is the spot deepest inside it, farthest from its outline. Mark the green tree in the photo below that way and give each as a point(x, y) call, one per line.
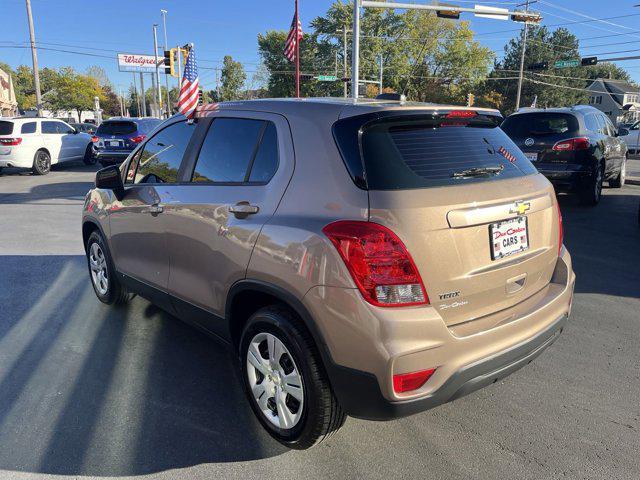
point(74, 92)
point(233, 78)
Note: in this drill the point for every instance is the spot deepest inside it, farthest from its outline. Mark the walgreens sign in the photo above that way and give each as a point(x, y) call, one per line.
point(129, 62)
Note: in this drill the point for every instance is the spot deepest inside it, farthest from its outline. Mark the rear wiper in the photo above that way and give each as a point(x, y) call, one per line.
point(478, 171)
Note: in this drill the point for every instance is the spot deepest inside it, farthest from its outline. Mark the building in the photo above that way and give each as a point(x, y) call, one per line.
point(8, 104)
point(618, 99)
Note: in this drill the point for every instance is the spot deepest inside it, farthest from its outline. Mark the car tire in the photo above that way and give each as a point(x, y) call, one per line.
point(89, 158)
point(592, 191)
point(41, 163)
point(102, 272)
point(312, 412)
point(620, 180)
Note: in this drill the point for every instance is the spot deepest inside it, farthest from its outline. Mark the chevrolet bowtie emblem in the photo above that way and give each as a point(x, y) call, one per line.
point(520, 208)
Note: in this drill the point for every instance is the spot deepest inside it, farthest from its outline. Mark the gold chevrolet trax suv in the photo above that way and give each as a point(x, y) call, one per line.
point(367, 258)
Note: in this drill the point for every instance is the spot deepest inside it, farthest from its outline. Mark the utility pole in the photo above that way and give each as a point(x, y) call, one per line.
point(135, 90)
point(381, 68)
point(355, 51)
point(524, 49)
point(34, 56)
point(344, 60)
point(217, 85)
point(155, 52)
point(166, 77)
point(143, 96)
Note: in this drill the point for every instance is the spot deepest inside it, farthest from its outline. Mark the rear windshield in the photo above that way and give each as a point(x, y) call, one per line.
point(6, 128)
point(540, 124)
point(429, 153)
point(117, 128)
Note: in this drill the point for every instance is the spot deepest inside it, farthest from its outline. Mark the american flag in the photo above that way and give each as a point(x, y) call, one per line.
point(189, 92)
point(295, 35)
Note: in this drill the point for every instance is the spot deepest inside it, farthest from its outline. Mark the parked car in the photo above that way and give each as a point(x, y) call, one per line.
point(631, 136)
point(38, 143)
point(116, 138)
point(577, 148)
point(89, 128)
point(369, 258)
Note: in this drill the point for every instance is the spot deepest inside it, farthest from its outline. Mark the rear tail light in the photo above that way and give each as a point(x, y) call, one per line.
point(94, 139)
point(407, 382)
point(138, 138)
point(560, 229)
point(379, 263)
point(579, 143)
point(10, 141)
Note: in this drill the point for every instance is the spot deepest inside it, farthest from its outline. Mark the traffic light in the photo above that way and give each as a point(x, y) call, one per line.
point(200, 96)
point(306, 76)
point(526, 17)
point(538, 66)
point(586, 61)
point(453, 14)
point(168, 62)
point(471, 99)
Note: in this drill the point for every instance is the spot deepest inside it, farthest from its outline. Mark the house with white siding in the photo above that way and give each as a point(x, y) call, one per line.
point(618, 99)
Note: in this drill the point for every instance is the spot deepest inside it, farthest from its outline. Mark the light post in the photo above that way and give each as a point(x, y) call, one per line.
point(157, 74)
point(166, 77)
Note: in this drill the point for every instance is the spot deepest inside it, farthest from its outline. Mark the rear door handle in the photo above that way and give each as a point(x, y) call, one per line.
point(243, 209)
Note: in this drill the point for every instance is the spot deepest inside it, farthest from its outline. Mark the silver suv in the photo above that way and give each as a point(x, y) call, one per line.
point(372, 259)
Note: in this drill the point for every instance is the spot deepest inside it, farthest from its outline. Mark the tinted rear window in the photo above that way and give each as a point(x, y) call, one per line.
point(540, 124)
point(6, 128)
point(428, 153)
point(117, 128)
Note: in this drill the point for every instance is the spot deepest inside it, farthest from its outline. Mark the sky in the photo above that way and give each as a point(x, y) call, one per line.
point(99, 30)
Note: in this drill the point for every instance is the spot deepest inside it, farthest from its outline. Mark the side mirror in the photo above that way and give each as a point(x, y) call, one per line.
point(622, 132)
point(109, 179)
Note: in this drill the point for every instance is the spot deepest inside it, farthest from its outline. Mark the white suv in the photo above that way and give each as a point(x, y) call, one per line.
point(38, 143)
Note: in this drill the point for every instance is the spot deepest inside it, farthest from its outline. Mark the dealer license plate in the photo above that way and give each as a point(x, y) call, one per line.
point(533, 157)
point(509, 237)
point(114, 143)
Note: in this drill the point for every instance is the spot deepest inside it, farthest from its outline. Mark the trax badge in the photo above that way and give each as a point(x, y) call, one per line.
point(520, 208)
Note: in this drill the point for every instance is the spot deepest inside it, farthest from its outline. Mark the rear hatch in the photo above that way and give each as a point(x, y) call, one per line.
point(118, 135)
point(446, 186)
point(537, 133)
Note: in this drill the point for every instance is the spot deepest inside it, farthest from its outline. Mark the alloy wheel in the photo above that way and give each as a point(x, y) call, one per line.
point(42, 160)
point(275, 381)
point(98, 267)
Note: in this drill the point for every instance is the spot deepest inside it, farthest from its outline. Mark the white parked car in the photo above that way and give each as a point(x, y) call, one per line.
point(631, 136)
point(38, 143)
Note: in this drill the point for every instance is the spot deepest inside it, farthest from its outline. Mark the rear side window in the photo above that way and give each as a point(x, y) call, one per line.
point(418, 154)
point(266, 161)
point(117, 128)
point(591, 122)
point(162, 154)
point(6, 128)
point(229, 149)
point(540, 124)
point(29, 127)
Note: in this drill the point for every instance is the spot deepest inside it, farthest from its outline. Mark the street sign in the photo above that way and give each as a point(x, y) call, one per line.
point(567, 63)
point(326, 78)
point(492, 12)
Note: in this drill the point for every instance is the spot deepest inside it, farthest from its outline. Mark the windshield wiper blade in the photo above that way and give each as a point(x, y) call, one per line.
point(478, 171)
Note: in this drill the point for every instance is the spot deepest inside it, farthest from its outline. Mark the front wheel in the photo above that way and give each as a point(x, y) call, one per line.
point(41, 163)
point(89, 158)
point(285, 381)
point(620, 180)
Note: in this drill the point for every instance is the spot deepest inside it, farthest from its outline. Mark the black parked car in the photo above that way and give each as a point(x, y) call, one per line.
point(117, 137)
point(576, 148)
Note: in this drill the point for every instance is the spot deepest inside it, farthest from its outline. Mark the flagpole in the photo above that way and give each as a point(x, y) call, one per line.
point(297, 54)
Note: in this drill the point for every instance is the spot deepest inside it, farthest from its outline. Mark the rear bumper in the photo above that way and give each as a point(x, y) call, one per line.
point(15, 157)
point(110, 156)
point(567, 177)
point(361, 371)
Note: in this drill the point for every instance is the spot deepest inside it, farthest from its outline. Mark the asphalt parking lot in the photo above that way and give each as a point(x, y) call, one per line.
point(91, 391)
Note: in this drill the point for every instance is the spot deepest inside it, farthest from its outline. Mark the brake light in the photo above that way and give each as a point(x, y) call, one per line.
point(138, 138)
point(94, 139)
point(462, 114)
point(11, 141)
point(407, 382)
point(379, 263)
point(579, 143)
point(560, 229)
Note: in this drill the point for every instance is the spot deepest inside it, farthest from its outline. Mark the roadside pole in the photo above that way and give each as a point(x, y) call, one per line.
point(524, 49)
point(34, 56)
point(143, 96)
point(166, 77)
point(355, 52)
point(381, 68)
point(136, 91)
point(155, 52)
point(344, 60)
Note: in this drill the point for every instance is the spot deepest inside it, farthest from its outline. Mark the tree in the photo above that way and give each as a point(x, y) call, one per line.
point(233, 78)
point(552, 87)
point(100, 75)
point(75, 92)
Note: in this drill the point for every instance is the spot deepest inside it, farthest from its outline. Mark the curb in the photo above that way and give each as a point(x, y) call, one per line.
point(633, 180)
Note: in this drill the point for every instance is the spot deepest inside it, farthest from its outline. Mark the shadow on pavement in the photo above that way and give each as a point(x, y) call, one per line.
point(87, 389)
point(601, 241)
point(48, 191)
point(59, 167)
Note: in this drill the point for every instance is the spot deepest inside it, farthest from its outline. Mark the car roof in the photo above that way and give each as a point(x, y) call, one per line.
point(341, 107)
point(576, 109)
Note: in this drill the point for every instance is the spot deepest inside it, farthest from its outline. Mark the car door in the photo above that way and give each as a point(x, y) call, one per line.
point(632, 139)
point(617, 147)
point(52, 140)
point(607, 142)
point(73, 144)
point(233, 185)
point(138, 240)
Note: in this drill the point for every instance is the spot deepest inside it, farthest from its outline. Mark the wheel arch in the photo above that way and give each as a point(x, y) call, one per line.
point(88, 227)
